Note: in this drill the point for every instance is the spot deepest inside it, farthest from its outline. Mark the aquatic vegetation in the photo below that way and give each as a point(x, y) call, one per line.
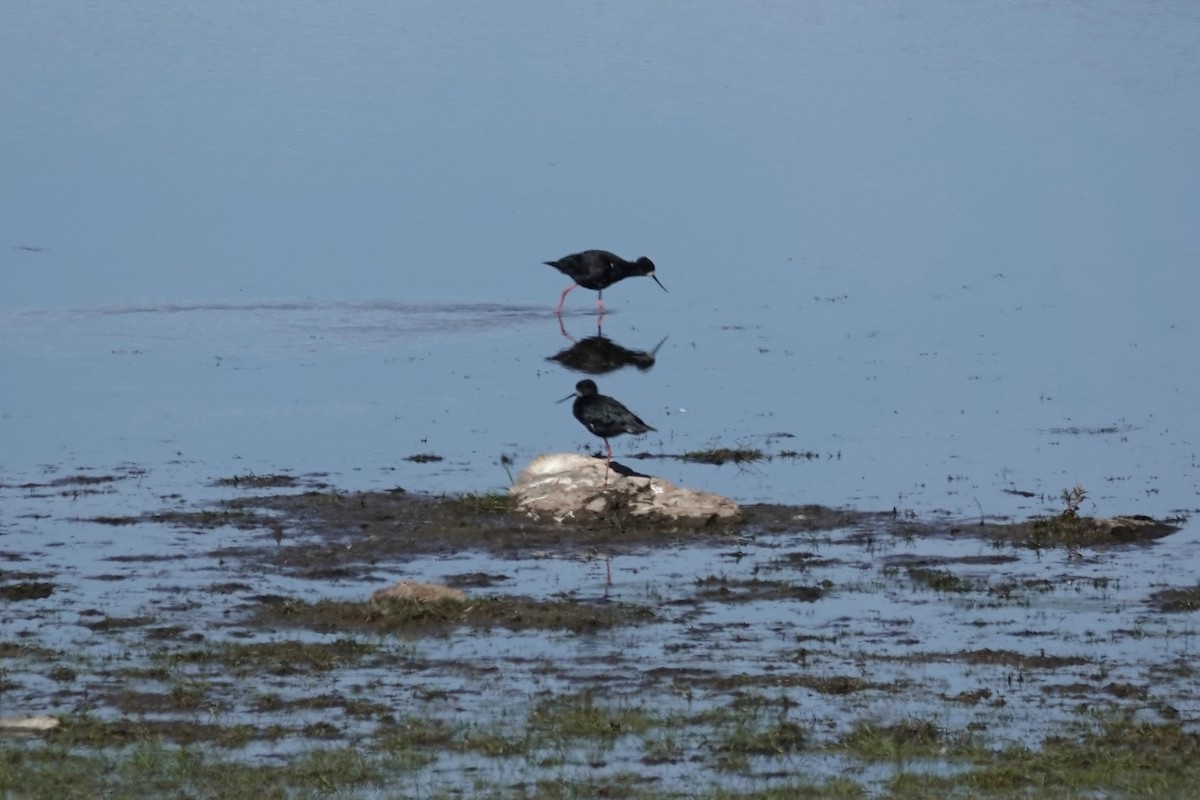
point(940, 580)
point(725, 455)
point(26, 590)
point(726, 663)
point(1177, 600)
point(1073, 498)
point(252, 481)
point(424, 458)
point(489, 503)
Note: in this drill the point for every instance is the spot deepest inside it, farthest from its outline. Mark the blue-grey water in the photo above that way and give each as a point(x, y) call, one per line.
point(951, 249)
point(937, 257)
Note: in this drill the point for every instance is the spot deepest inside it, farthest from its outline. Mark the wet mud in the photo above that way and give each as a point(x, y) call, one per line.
point(730, 657)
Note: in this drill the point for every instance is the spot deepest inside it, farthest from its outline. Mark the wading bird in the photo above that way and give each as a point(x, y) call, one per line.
point(604, 416)
point(599, 269)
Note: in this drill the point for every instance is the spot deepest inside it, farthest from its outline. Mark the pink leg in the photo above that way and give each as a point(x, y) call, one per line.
point(564, 297)
point(608, 568)
point(600, 302)
point(563, 330)
point(607, 461)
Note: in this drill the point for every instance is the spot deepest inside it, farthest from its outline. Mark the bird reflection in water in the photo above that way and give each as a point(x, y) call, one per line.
point(599, 355)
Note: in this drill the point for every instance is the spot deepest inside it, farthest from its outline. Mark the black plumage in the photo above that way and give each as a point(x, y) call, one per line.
point(604, 416)
point(599, 269)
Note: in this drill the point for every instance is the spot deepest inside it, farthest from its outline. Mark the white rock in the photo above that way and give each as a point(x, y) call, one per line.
point(569, 485)
point(28, 724)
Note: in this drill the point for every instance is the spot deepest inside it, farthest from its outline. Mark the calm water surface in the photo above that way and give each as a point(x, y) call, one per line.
point(950, 251)
point(945, 255)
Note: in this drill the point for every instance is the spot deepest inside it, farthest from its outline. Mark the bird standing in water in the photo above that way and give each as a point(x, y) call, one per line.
point(599, 269)
point(604, 416)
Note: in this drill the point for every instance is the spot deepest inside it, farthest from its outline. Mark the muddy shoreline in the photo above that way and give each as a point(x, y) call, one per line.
point(363, 528)
point(704, 658)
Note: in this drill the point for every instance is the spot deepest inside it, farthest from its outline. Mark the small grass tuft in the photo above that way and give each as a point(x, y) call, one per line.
point(910, 738)
point(939, 580)
point(253, 481)
point(279, 658)
point(27, 590)
point(471, 503)
point(1072, 499)
point(1068, 531)
point(410, 616)
point(579, 715)
point(1175, 600)
point(781, 738)
point(719, 587)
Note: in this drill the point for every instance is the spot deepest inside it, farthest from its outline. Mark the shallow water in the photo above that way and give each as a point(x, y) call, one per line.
point(1041, 640)
point(352, 389)
point(949, 251)
point(944, 256)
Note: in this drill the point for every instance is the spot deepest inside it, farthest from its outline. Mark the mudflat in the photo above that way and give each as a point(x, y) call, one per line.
point(834, 652)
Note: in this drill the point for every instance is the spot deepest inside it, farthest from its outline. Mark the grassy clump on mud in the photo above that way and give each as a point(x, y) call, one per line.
point(1113, 757)
point(391, 616)
point(283, 697)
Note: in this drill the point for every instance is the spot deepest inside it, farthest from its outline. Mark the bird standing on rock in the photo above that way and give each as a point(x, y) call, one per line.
point(604, 416)
point(599, 269)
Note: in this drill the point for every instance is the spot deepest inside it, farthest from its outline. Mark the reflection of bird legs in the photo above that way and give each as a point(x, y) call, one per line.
point(607, 460)
point(600, 305)
point(596, 554)
point(563, 330)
